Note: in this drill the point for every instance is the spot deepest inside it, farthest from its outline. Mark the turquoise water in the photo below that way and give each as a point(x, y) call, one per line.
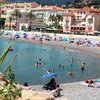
point(51, 57)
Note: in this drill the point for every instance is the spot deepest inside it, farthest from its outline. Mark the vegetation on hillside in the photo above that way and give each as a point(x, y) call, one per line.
point(83, 3)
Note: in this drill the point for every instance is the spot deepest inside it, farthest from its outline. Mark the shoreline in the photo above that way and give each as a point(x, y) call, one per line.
point(94, 51)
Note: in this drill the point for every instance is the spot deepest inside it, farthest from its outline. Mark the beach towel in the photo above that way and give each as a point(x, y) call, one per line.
point(83, 83)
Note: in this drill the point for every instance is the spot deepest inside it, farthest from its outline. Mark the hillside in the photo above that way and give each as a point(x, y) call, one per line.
point(43, 1)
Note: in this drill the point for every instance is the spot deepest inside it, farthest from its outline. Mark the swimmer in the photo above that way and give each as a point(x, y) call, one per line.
point(59, 66)
point(50, 57)
point(37, 65)
point(48, 71)
point(39, 59)
point(72, 60)
point(70, 73)
point(82, 67)
point(40, 64)
point(62, 66)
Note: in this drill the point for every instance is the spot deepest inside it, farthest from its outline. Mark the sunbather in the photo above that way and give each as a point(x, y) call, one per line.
point(51, 85)
point(94, 85)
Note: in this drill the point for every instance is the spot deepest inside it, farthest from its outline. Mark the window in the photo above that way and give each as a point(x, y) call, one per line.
point(90, 20)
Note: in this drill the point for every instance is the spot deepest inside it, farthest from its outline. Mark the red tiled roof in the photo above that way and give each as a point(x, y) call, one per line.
point(80, 9)
point(85, 9)
point(53, 8)
point(34, 4)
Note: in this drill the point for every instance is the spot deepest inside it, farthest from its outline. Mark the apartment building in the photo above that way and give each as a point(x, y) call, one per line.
point(8, 9)
point(85, 20)
point(43, 14)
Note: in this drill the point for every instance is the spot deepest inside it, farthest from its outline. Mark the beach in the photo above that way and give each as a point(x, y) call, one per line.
point(95, 51)
point(75, 90)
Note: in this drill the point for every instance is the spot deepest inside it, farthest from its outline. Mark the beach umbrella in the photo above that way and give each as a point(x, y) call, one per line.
point(65, 39)
point(17, 35)
point(48, 75)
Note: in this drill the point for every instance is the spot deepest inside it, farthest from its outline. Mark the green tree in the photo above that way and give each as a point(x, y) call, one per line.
point(10, 21)
point(55, 20)
point(2, 23)
point(16, 14)
point(51, 18)
point(31, 17)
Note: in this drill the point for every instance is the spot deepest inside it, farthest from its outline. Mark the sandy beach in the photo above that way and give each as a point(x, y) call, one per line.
point(75, 90)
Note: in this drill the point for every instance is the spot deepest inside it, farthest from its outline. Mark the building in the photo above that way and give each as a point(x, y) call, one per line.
point(85, 20)
point(8, 9)
point(44, 13)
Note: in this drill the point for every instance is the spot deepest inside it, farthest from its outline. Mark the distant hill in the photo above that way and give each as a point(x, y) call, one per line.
point(60, 2)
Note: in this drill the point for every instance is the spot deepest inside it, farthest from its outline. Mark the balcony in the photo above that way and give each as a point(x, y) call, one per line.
point(67, 26)
point(90, 20)
point(89, 27)
point(67, 20)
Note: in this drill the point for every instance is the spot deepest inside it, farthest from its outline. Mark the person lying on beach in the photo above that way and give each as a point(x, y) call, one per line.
point(97, 85)
point(89, 81)
point(93, 83)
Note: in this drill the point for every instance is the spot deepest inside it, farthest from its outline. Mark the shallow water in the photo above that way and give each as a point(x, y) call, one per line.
point(51, 57)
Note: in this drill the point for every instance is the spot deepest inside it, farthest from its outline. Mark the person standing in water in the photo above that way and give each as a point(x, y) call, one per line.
point(72, 60)
point(83, 65)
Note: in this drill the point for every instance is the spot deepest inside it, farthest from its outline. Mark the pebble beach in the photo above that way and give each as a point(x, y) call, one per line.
point(75, 91)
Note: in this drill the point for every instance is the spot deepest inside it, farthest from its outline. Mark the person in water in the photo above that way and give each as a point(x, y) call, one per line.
point(72, 60)
point(48, 71)
point(82, 67)
point(59, 66)
point(37, 65)
point(70, 73)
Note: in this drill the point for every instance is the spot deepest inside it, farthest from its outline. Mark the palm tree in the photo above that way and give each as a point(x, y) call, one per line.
point(31, 16)
point(2, 23)
point(56, 19)
point(10, 21)
point(16, 14)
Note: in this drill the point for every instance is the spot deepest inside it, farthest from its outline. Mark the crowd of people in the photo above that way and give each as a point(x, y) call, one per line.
point(46, 37)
